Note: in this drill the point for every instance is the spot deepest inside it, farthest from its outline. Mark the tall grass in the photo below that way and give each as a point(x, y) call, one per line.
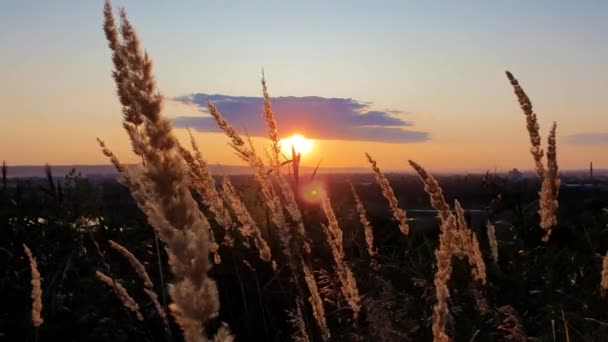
point(164, 183)
point(36, 289)
point(171, 209)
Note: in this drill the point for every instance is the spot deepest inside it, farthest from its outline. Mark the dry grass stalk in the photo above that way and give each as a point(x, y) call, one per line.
point(223, 334)
point(315, 300)
point(604, 281)
point(333, 232)
point(174, 213)
point(492, 240)
point(272, 127)
point(443, 254)
point(549, 188)
point(531, 124)
point(292, 236)
point(548, 176)
point(469, 245)
point(159, 308)
point(389, 194)
point(290, 202)
point(271, 200)
point(36, 289)
point(431, 187)
point(206, 189)
point(204, 185)
point(137, 266)
point(248, 227)
point(367, 229)
point(122, 294)
point(140, 269)
point(296, 318)
point(455, 240)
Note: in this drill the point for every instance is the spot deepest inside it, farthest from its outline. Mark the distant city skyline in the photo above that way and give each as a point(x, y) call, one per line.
point(399, 80)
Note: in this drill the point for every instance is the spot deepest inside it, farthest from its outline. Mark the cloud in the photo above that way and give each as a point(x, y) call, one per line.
point(587, 139)
point(313, 116)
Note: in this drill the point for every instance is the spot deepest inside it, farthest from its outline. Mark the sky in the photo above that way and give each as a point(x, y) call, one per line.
point(397, 79)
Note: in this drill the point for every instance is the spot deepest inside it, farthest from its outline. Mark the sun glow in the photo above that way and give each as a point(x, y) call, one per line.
point(300, 143)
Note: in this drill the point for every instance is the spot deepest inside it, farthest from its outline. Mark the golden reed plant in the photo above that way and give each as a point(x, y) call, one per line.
point(389, 194)
point(290, 233)
point(367, 228)
point(36, 289)
point(604, 275)
point(248, 227)
point(549, 178)
point(120, 292)
point(315, 301)
point(171, 209)
point(140, 270)
point(455, 240)
point(203, 183)
point(333, 233)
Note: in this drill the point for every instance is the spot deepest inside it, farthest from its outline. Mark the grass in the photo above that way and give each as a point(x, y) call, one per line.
point(338, 270)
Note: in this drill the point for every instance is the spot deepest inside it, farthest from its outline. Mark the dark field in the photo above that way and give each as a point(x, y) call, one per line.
point(540, 291)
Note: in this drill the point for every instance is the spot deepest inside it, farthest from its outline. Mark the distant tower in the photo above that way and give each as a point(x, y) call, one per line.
point(590, 170)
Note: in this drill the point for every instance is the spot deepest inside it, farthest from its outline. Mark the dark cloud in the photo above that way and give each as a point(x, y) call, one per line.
point(316, 117)
point(587, 139)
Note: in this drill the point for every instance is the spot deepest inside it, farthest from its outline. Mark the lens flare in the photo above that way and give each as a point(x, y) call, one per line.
point(310, 192)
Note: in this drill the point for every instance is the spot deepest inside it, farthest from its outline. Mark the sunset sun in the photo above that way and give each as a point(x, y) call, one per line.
point(299, 142)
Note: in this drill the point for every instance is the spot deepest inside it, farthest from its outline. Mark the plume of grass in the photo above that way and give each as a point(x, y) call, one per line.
point(248, 227)
point(296, 319)
point(549, 188)
point(206, 189)
point(333, 232)
point(271, 200)
point(548, 176)
point(137, 266)
point(122, 294)
point(604, 274)
point(299, 236)
point(272, 127)
point(140, 270)
point(443, 254)
point(491, 230)
point(223, 334)
point(36, 289)
point(292, 236)
point(204, 184)
point(287, 192)
point(468, 245)
point(455, 240)
point(389, 194)
point(431, 187)
point(315, 301)
point(367, 228)
point(531, 124)
point(173, 212)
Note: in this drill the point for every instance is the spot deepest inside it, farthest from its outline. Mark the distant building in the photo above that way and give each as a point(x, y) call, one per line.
point(514, 175)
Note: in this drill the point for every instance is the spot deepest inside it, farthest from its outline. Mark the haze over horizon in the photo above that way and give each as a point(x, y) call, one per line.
point(398, 80)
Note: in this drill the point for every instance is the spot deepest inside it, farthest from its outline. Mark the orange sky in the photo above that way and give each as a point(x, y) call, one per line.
point(442, 68)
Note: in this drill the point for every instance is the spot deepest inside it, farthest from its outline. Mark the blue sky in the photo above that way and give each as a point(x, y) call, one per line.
point(441, 64)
